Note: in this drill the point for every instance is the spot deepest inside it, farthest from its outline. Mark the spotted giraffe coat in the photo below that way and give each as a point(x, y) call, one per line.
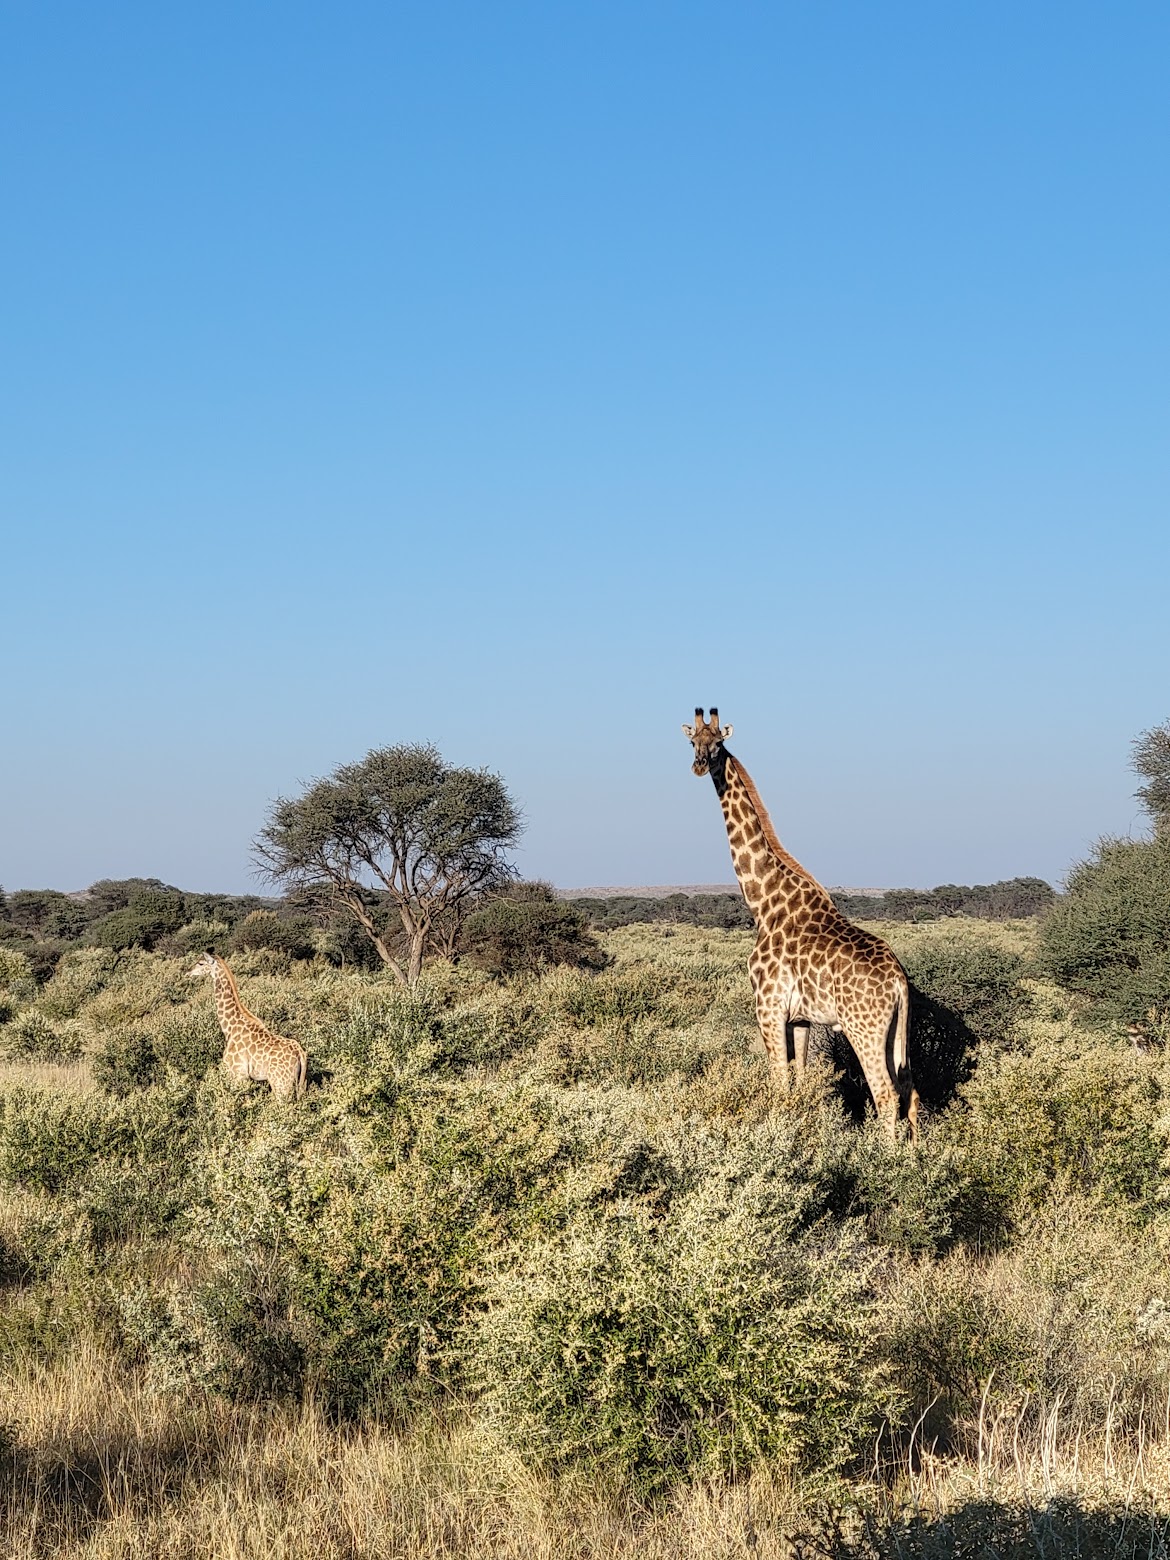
point(251, 1051)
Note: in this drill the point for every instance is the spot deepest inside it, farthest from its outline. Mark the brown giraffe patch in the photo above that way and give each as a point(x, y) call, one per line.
point(809, 965)
point(251, 1051)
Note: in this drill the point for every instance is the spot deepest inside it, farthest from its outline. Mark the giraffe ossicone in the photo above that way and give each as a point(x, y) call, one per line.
point(251, 1052)
point(809, 965)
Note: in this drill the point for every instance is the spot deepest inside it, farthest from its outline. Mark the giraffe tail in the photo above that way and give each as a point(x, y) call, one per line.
point(902, 1075)
point(901, 1035)
point(302, 1073)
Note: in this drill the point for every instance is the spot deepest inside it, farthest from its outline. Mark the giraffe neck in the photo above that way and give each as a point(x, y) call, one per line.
point(772, 881)
point(228, 1006)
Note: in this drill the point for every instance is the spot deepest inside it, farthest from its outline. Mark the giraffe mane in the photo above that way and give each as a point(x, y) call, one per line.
point(231, 980)
point(773, 839)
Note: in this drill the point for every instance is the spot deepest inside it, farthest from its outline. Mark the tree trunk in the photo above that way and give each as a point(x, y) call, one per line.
point(357, 910)
point(417, 944)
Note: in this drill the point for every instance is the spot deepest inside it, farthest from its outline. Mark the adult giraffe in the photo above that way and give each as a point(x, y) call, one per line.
point(809, 965)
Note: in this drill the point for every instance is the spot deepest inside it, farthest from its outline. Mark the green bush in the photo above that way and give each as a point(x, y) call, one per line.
point(700, 1345)
point(198, 937)
point(16, 973)
point(46, 914)
point(50, 1141)
point(977, 980)
point(1108, 936)
point(126, 1060)
point(150, 916)
point(529, 930)
point(189, 1040)
point(265, 929)
point(1060, 1119)
point(42, 956)
point(31, 1036)
point(80, 976)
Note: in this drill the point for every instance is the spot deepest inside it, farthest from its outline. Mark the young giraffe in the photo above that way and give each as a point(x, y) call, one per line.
point(251, 1050)
point(810, 965)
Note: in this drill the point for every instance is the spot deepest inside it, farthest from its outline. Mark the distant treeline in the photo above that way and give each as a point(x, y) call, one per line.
point(147, 913)
point(116, 913)
point(1006, 901)
point(686, 909)
point(1011, 900)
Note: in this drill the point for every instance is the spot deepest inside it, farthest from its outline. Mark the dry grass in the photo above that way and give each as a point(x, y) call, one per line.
point(65, 1077)
point(99, 1467)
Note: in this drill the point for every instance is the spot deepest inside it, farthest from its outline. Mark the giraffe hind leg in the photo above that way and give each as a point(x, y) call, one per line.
point(799, 1034)
point(870, 1050)
point(774, 1033)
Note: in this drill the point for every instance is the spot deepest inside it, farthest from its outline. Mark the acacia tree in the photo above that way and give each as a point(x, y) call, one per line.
point(1151, 760)
point(402, 841)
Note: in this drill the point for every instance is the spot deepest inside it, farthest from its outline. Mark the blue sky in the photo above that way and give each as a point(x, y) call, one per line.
point(516, 377)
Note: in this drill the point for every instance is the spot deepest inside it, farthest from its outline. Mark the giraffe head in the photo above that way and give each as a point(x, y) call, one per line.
point(706, 738)
point(205, 965)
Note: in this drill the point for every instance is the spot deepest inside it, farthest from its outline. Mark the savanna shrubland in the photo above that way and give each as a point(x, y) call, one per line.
point(559, 1240)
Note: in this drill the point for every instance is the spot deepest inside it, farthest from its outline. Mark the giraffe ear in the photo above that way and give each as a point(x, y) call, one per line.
point(727, 730)
point(689, 733)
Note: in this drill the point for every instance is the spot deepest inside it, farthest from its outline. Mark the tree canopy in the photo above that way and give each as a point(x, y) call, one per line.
point(401, 840)
point(1151, 760)
point(1108, 936)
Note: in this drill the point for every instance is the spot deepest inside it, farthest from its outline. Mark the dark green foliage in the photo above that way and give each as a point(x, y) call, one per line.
point(722, 910)
point(126, 1060)
point(124, 929)
point(45, 914)
point(43, 956)
point(985, 1527)
point(1151, 759)
point(244, 1311)
point(527, 930)
point(149, 916)
point(1108, 937)
point(1012, 899)
point(109, 894)
point(979, 982)
point(112, 913)
point(1006, 901)
point(345, 945)
point(265, 929)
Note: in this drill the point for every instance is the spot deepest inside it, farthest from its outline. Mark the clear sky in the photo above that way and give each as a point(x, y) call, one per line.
point(519, 376)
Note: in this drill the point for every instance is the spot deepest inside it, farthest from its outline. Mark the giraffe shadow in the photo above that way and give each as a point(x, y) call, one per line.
point(942, 1051)
point(78, 1485)
point(1011, 1530)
